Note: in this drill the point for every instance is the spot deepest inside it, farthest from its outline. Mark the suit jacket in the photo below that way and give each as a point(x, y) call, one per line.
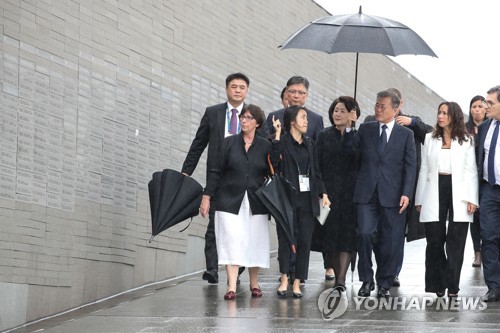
point(211, 132)
point(238, 171)
point(284, 162)
point(392, 174)
point(463, 178)
point(482, 130)
point(314, 123)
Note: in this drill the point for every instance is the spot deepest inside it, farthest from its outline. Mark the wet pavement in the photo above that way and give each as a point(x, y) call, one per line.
point(189, 304)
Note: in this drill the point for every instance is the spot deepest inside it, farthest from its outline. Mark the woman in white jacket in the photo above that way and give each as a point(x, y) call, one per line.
point(447, 189)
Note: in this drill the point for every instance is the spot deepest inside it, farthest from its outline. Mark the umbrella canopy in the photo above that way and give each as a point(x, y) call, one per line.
point(275, 195)
point(358, 33)
point(173, 198)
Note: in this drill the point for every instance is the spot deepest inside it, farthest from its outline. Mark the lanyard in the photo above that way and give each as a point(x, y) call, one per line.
point(296, 163)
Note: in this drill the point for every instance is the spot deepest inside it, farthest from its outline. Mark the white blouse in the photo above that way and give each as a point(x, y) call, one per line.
point(444, 161)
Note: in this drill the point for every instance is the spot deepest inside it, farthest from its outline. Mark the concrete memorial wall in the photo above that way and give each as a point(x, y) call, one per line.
point(95, 96)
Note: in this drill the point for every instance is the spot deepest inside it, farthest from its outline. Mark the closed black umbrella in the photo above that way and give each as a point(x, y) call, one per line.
point(173, 198)
point(358, 33)
point(275, 195)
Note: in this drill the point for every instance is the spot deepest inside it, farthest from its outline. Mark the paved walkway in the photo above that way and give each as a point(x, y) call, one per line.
point(189, 304)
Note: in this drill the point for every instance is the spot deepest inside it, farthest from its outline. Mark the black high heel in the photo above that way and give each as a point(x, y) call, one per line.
point(281, 293)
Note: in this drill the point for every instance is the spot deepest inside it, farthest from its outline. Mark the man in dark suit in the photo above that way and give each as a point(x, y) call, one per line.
point(297, 89)
point(219, 121)
point(414, 229)
point(488, 166)
point(384, 186)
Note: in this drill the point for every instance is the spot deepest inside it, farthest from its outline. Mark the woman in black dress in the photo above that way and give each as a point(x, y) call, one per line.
point(336, 239)
point(293, 155)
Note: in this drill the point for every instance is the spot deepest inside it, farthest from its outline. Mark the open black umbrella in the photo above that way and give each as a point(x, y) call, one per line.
point(173, 198)
point(275, 195)
point(358, 33)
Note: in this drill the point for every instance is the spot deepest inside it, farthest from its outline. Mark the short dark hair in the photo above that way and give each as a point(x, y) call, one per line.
point(236, 76)
point(291, 115)
point(298, 80)
point(255, 112)
point(350, 104)
point(495, 89)
point(395, 100)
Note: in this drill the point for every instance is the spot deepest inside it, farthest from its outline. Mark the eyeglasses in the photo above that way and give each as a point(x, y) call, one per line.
point(246, 118)
point(300, 92)
point(488, 104)
point(381, 107)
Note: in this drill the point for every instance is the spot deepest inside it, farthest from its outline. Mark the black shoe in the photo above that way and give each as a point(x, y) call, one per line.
point(211, 276)
point(297, 295)
point(492, 295)
point(396, 282)
point(329, 277)
point(339, 286)
point(382, 292)
point(366, 289)
point(281, 293)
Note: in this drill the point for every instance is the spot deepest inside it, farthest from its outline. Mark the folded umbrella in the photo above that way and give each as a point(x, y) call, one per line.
point(275, 194)
point(173, 198)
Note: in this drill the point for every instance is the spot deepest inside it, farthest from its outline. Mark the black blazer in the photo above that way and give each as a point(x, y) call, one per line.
point(314, 123)
point(211, 132)
point(284, 162)
point(238, 171)
point(392, 174)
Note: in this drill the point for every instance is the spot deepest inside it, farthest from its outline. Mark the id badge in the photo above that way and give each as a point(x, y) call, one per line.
point(304, 183)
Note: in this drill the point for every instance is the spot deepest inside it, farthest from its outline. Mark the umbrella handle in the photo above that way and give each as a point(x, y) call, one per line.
point(293, 248)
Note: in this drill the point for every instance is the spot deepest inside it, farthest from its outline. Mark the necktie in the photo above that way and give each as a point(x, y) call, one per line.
point(382, 140)
point(234, 122)
point(491, 156)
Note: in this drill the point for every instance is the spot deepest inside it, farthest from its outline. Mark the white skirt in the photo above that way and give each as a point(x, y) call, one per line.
point(242, 239)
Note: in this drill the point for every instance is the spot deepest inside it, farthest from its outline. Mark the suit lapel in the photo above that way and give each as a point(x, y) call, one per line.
point(482, 139)
point(221, 120)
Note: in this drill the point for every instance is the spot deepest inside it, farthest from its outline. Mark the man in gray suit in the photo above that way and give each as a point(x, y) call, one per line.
point(383, 190)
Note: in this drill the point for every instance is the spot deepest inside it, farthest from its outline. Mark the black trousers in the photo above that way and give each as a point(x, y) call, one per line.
point(211, 257)
point(444, 254)
point(304, 222)
point(489, 207)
